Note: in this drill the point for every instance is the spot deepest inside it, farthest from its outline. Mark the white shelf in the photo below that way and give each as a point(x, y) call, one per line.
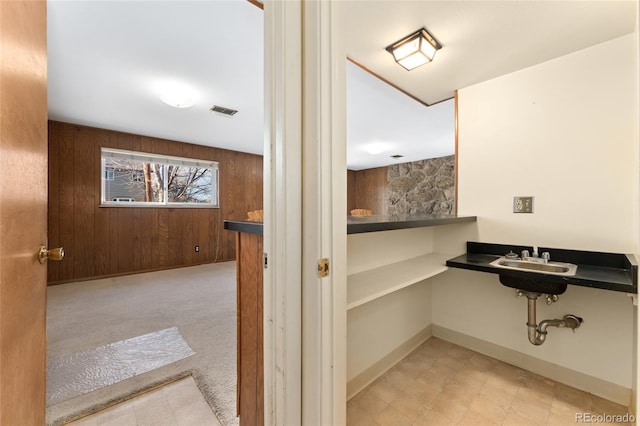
point(369, 285)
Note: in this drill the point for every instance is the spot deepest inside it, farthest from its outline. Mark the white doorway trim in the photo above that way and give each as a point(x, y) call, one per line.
point(305, 213)
point(324, 311)
point(282, 213)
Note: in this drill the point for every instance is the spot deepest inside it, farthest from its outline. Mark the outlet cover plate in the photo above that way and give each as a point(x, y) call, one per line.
point(522, 204)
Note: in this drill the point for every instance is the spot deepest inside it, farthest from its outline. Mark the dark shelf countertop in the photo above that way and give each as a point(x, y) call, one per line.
point(608, 271)
point(362, 224)
point(247, 226)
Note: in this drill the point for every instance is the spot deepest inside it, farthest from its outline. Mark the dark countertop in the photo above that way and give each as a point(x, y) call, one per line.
point(608, 271)
point(361, 224)
point(247, 226)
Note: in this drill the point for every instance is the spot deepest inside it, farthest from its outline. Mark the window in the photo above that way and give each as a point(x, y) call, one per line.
point(137, 179)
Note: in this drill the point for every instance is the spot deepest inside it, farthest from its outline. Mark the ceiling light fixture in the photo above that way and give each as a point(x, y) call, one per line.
point(376, 148)
point(177, 96)
point(414, 50)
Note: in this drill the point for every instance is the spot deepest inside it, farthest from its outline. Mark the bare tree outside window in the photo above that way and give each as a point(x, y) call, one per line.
point(189, 184)
point(157, 182)
point(127, 184)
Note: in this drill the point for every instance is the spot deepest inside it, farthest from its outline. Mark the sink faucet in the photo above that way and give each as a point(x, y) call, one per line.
point(524, 255)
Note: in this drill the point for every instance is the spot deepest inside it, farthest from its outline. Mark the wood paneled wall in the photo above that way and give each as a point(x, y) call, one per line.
point(368, 189)
point(351, 190)
point(108, 241)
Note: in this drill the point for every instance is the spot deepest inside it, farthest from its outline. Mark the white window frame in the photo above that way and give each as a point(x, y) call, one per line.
point(167, 160)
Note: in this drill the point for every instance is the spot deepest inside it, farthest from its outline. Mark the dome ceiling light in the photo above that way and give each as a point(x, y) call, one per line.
point(177, 96)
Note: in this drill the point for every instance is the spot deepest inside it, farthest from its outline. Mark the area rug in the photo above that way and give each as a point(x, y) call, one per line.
point(199, 301)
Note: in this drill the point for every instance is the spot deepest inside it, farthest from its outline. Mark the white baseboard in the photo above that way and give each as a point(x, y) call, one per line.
point(368, 376)
point(602, 388)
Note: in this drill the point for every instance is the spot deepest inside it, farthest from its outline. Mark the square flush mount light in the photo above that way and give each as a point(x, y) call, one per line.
point(414, 50)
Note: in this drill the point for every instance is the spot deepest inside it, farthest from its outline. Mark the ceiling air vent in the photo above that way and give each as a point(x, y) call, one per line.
point(222, 110)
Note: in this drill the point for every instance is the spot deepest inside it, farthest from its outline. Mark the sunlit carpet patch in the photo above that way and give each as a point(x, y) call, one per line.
point(83, 372)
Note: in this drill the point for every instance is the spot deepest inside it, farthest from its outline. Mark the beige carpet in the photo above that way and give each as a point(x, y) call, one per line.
point(199, 301)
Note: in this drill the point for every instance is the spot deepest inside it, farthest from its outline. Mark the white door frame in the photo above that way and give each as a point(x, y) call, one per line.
point(282, 213)
point(324, 311)
point(305, 213)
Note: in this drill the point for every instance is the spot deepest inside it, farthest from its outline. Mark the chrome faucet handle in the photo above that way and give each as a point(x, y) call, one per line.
point(524, 254)
point(546, 256)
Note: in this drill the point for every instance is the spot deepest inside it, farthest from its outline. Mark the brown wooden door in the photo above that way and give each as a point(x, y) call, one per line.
point(23, 211)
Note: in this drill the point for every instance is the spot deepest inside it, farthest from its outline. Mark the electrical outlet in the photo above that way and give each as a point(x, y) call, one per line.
point(522, 204)
point(197, 249)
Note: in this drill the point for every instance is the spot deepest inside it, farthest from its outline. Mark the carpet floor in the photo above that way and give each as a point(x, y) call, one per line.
point(200, 301)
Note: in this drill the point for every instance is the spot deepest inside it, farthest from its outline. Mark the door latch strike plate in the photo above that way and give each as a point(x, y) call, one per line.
point(323, 267)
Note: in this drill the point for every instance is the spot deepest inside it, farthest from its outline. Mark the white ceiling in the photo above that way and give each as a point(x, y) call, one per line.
point(107, 60)
point(481, 39)
point(379, 115)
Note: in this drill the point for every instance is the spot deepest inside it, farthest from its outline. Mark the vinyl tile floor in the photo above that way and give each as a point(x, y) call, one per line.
point(176, 404)
point(444, 384)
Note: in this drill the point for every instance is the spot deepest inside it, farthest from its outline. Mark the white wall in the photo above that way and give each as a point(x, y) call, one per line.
point(377, 328)
point(565, 132)
point(635, 397)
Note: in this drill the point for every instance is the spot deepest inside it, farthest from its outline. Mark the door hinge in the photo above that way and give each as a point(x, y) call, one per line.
point(323, 267)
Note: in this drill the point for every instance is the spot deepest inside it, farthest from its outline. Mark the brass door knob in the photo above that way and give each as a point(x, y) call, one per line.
point(53, 254)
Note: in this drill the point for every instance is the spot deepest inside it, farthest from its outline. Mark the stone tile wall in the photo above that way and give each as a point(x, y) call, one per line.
point(422, 187)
